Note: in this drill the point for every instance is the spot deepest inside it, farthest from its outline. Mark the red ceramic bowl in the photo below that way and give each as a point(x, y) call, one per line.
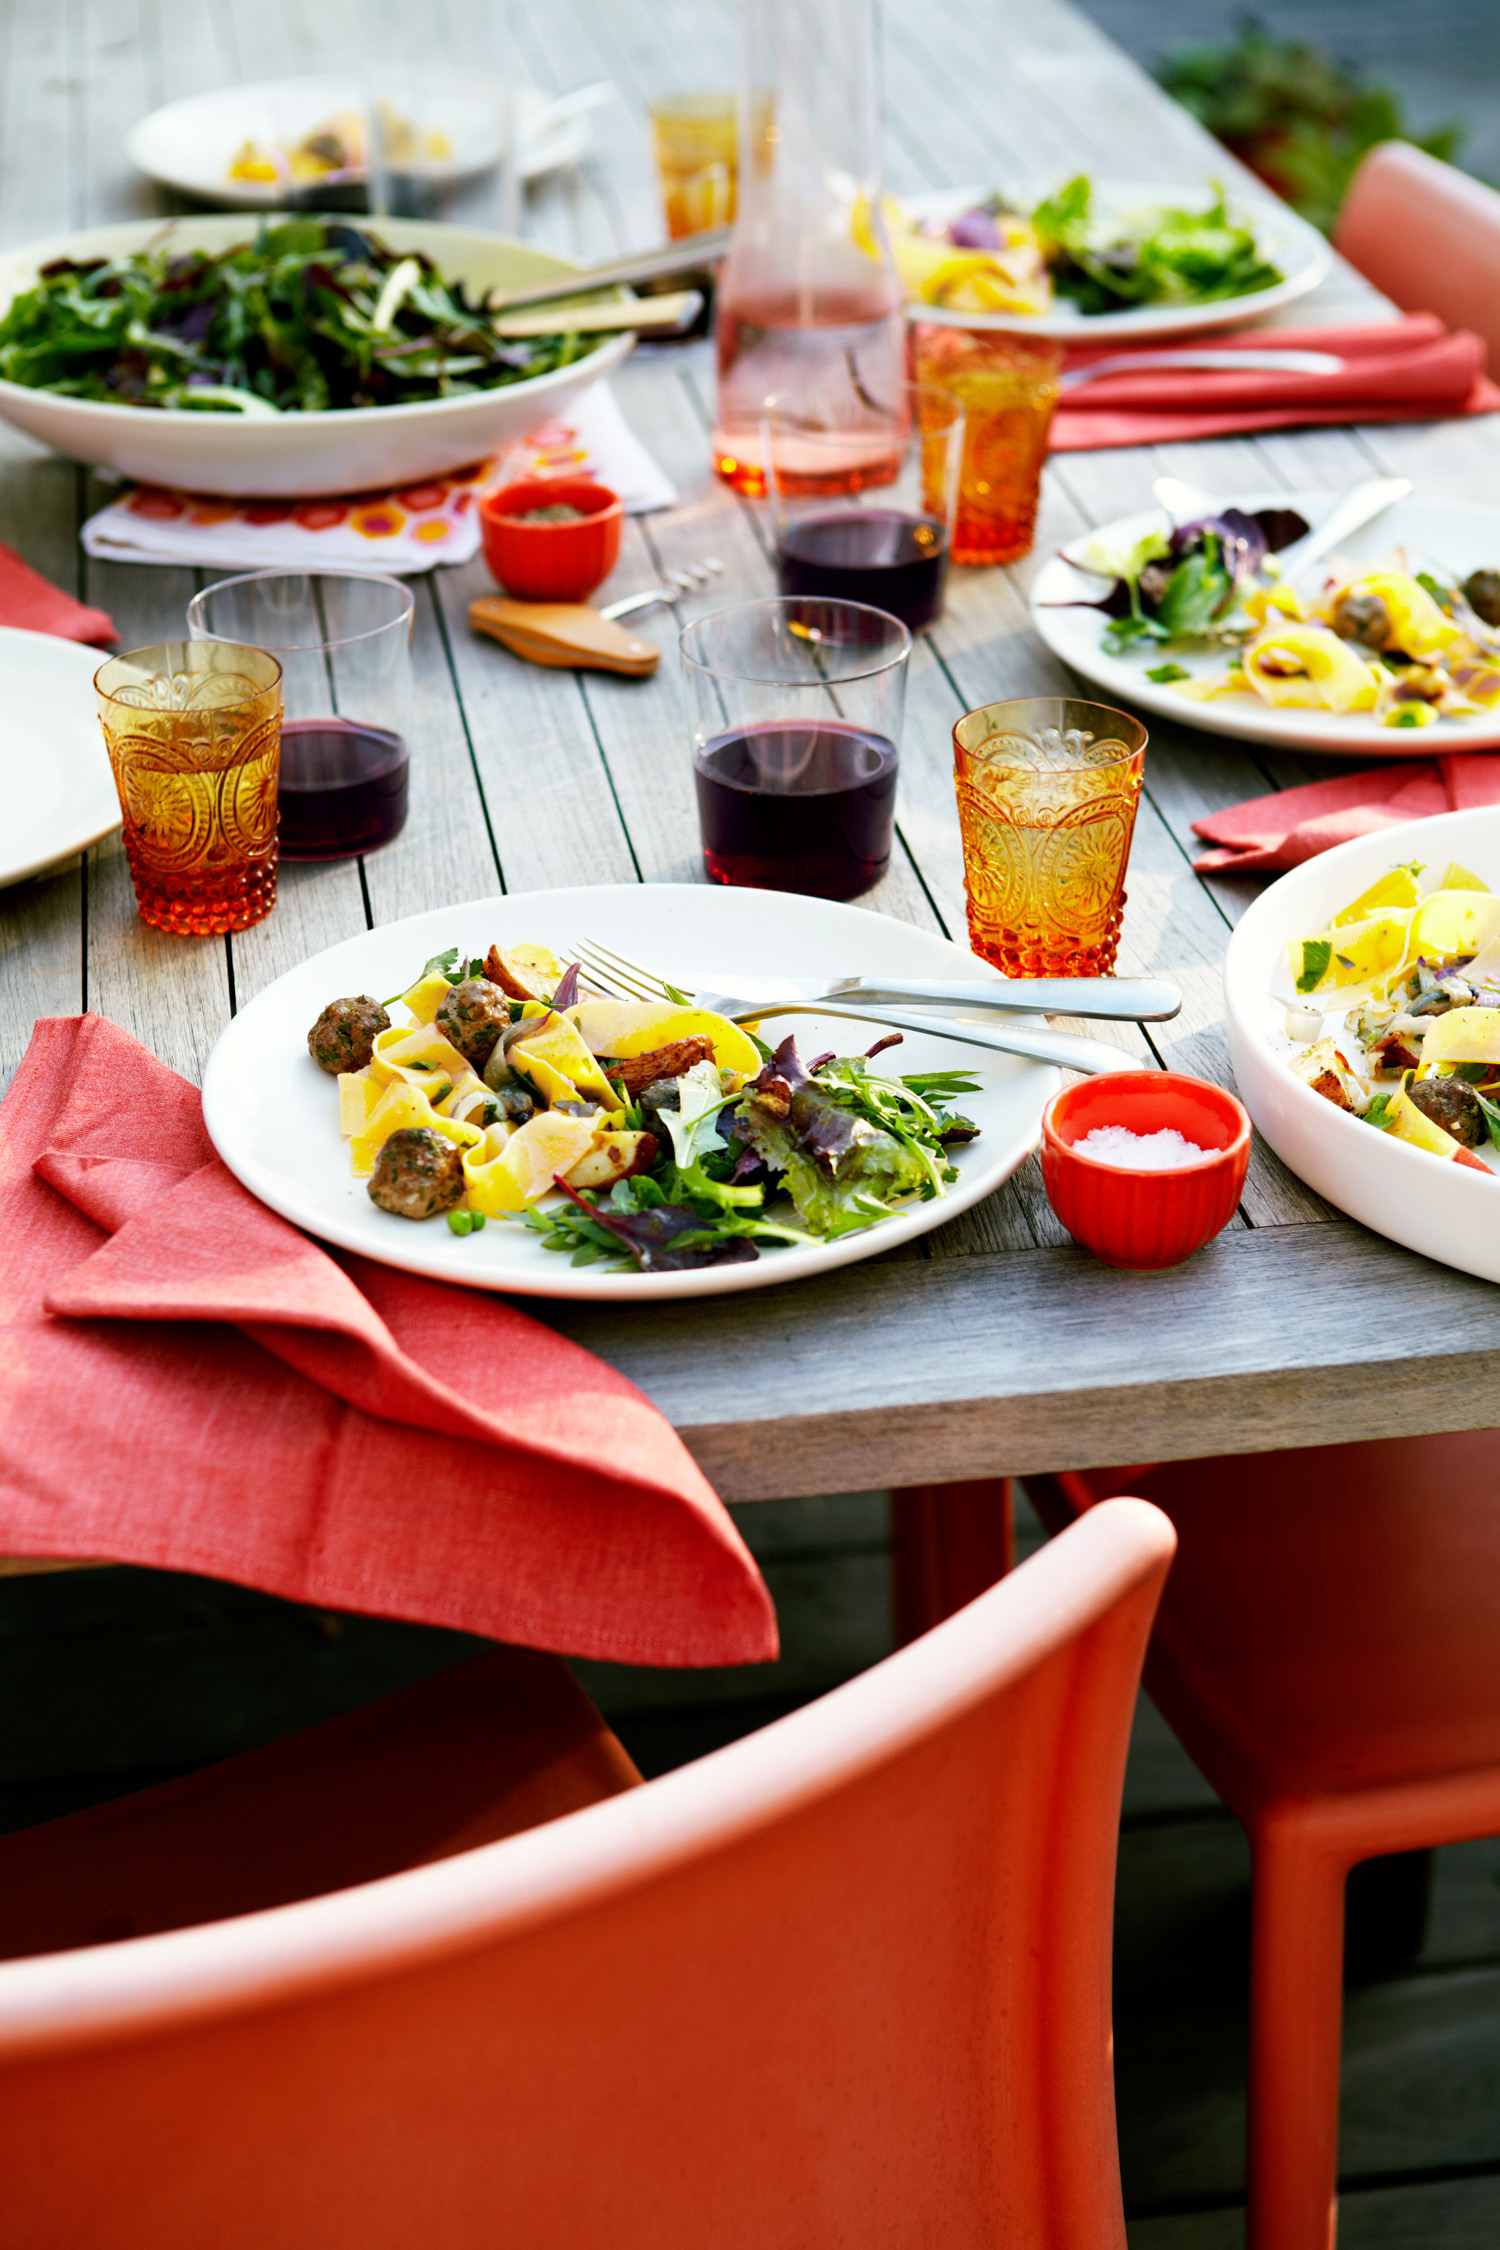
point(551, 562)
point(1144, 1220)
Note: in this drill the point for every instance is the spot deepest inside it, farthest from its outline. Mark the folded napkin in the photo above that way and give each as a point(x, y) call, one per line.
point(1409, 370)
point(30, 603)
point(188, 1382)
point(407, 528)
point(1266, 835)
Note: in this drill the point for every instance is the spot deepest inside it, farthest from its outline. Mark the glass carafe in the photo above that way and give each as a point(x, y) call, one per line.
point(809, 306)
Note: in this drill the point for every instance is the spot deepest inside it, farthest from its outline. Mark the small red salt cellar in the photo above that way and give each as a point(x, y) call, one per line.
point(537, 561)
point(1144, 1220)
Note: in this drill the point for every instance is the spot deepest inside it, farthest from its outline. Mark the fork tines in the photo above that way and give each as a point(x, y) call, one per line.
point(616, 976)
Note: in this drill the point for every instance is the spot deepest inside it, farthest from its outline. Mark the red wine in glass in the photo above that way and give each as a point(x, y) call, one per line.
point(342, 790)
point(884, 556)
point(784, 806)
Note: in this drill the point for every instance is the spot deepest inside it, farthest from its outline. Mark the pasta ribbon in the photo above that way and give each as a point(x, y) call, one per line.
point(418, 1055)
point(1418, 626)
point(1452, 922)
point(1408, 1123)
point(1309, 668)
point(557, 1060)
point(1268, 603)
point(398, 1107)
point(487, 1191)
point(426, 997)
point(1463, 1035)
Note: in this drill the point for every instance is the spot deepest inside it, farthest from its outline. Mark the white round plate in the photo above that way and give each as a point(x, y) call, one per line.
point(273, 1115)
point(55, 782)
point(299, 456)
point(1434, 535)
point(1289, 242)
point(190, 145)
point(1428, 1203)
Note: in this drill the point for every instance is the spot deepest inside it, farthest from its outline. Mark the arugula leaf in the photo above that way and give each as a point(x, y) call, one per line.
point(1165, 674)
point(1195, 593)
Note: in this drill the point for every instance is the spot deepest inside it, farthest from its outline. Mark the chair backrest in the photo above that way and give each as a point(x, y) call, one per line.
point(844, 1981)
point(1428, 236)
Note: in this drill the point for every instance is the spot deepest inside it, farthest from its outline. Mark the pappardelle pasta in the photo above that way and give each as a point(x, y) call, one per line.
point(664, 1128)
point(1414, 973)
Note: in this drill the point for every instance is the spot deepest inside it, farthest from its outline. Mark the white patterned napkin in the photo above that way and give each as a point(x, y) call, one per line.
point(409, 529)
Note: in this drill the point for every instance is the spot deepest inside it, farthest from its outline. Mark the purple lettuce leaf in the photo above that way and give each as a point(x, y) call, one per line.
point(651, 1236)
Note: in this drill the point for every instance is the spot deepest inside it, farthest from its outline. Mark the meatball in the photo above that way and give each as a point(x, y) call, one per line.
point(1481, 590)
point(472, 1017)
point(1450, 1102)
point(417, 1174)
point(343, 1038)
point(1363, 618)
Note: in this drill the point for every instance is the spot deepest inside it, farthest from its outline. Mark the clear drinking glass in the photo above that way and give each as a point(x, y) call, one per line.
point(343, 643)
point(862, 513)
point(1047, 795)
point(1007, 386)
point(796, 725)
point(194, 738)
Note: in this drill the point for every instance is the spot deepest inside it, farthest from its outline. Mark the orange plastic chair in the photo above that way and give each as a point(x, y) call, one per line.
point(846, 1980)
point(1326, 1653)
point(1428, 236)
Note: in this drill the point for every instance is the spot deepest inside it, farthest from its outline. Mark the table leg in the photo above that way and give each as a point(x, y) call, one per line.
point(948, 1543)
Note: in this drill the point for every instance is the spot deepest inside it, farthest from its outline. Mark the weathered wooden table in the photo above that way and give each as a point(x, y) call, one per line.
point(993, 1345)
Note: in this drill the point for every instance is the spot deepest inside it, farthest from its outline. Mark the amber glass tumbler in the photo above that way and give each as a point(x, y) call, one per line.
point(1047, 794)
point(697, 160)
point(1007, 386)
point(193, 731)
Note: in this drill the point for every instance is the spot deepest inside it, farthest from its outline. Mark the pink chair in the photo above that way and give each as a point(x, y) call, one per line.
point(844, 1981)
point(1426, 235)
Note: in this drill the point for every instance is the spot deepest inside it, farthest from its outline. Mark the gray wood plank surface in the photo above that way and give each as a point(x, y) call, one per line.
point(994, 1342)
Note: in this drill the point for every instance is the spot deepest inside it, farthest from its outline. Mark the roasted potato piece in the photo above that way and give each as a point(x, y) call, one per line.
point(1392, 1055)
point(616, 1156)
point(637, 1071)
point(1328, 1073)
point(526, 972)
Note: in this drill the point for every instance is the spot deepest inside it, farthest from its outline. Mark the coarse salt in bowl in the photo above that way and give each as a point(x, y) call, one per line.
point(1144, 1167)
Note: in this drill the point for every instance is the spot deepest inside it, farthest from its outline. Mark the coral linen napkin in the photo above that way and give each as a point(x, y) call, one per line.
point(32, 604)
point(1409, 370)
point(1266, 835)
point(190, 1383)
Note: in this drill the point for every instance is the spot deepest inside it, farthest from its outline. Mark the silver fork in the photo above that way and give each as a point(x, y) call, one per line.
point(676, 582)
point(1035, 1043)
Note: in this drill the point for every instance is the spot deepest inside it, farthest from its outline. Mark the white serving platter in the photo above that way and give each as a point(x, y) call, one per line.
point(55, 782)
point(273, 1114)
point(1435, 534)
point(1428, 1203)
point(190, 145)
point(1288, 241)
point(301, 456)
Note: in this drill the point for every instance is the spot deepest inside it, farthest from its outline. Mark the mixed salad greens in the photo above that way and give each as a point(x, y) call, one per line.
point(314, 314)
point(1184, 583)
point(671, 1133)
point(996, 258)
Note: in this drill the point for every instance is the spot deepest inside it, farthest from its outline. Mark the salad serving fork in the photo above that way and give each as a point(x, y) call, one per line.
point(860, 999)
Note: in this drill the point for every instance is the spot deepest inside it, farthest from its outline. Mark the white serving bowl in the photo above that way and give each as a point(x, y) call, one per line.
point(298, 456)
point(1428, 1203)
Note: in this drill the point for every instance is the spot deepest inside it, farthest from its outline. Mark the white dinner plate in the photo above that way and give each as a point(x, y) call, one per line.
point(1297, 249)
point(190, 145)
point(1435, 535)
point(55, 783)
point(273, 1114)
point(1426, 1202)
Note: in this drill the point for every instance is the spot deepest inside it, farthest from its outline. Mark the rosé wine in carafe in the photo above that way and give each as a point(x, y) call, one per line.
point(809, 305)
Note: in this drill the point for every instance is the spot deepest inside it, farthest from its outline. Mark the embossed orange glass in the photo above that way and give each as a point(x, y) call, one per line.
point(193, 731)
point(1007, 386)
point(1047, 795)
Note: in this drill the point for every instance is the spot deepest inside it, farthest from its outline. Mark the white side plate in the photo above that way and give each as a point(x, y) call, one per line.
point(1435, 535)
point(1428, 1203)
point(273, 1115)
point(55, 782)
